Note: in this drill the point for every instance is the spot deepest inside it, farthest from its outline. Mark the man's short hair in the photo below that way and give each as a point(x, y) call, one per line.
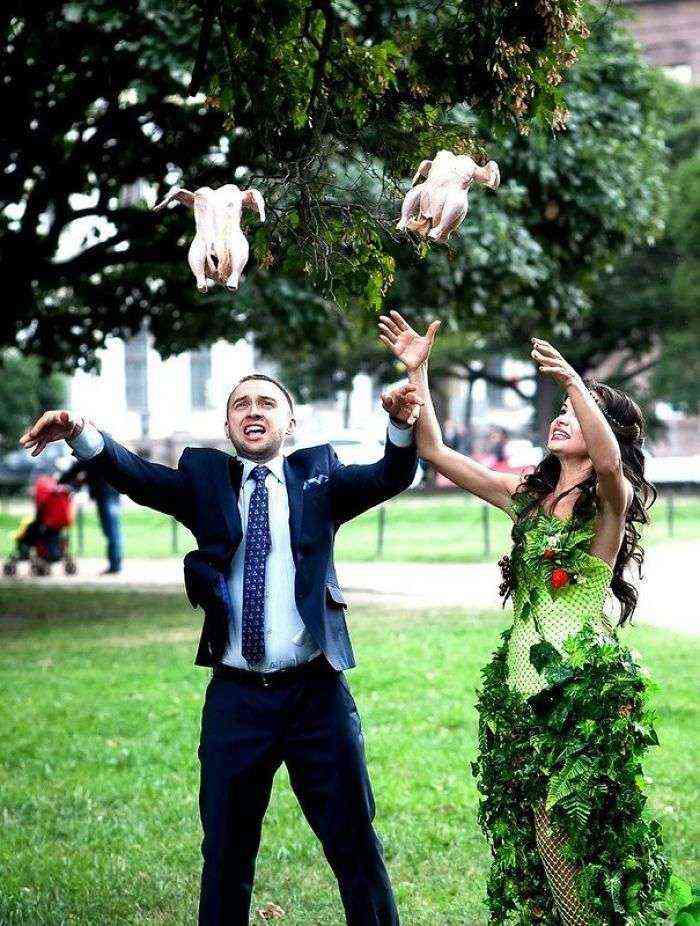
point(269, 379)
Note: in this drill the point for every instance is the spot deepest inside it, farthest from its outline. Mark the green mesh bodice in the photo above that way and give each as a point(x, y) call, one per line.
point(546, 545)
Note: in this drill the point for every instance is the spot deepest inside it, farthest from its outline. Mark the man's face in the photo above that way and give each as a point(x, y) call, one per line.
point(259, 419)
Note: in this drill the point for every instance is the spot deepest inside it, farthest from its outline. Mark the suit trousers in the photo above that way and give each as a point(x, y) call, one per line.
point(311, 724)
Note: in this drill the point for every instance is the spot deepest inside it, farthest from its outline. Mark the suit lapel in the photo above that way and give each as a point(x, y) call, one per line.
point(229, 474)
point(294, 482)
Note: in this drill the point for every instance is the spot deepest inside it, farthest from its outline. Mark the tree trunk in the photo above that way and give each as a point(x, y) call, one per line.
point(468, 418)
point(546, 394)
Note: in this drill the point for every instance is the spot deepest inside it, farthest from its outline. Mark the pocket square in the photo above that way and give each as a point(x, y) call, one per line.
point(315, 481)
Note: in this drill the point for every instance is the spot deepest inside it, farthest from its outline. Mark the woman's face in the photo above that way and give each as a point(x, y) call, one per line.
point(565, 436)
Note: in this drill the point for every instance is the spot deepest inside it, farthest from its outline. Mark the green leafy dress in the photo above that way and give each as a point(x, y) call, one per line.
point(565, 720)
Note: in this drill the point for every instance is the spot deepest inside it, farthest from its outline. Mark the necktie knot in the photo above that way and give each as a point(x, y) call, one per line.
point(259, 474)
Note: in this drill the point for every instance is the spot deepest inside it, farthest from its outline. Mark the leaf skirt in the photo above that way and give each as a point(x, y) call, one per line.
point(576, 748)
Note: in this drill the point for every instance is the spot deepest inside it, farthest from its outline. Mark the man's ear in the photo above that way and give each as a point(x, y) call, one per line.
point(291, 426)
point(227, 429)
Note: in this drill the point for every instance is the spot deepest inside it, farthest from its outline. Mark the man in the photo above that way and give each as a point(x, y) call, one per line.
point(108, 502)
point(274, 632)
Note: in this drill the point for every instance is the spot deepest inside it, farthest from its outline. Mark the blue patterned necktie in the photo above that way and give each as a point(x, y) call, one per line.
point(257, 548)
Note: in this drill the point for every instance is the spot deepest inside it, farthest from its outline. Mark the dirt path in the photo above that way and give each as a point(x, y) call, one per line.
point(667, 594)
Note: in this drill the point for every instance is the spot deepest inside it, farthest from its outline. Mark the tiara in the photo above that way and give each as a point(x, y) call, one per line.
point(632, 431)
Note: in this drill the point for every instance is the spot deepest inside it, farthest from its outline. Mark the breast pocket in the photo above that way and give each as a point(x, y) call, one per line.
point(334, 597)
point(316, 497)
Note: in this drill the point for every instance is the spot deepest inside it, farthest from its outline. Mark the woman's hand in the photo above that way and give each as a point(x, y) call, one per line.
point(54, 425)
point(411, 348)
point(403, 403)
point(551, 363)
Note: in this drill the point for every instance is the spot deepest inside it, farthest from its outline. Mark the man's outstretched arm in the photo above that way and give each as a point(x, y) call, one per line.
point(151, 484)
point(356, 488)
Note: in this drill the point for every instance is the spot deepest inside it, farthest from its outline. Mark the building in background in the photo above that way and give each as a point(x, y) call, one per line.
point(147, 401)
point(159, 406)
point(669, 33)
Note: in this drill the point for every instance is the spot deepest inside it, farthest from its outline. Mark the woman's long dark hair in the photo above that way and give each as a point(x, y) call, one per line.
point(627, 422)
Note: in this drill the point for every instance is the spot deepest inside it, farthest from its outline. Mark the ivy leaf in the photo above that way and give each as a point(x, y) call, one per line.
point(543, 655)
point(690, 915)
point(680, 893)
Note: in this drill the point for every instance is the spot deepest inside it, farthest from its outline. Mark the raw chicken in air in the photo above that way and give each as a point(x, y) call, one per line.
point(439, 205)
point(219, 250)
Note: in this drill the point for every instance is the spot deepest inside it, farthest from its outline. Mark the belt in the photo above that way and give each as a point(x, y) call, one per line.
point(319, 665)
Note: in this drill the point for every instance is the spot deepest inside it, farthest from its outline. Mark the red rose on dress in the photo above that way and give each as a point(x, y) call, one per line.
point(560, 578)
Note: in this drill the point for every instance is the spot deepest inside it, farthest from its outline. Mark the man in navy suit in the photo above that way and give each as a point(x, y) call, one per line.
point(274, 631)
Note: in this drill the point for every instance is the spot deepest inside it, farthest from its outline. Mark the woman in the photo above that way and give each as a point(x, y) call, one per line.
point(564, 718)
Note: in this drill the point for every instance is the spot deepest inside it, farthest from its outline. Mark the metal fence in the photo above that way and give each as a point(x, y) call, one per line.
point(668, 502)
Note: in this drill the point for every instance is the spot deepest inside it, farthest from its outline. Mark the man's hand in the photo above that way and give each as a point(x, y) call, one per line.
point(411, 348)
point(403, 403)
point(54, 425)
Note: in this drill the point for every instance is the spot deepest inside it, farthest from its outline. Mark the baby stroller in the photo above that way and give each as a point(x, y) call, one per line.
point(44, 540)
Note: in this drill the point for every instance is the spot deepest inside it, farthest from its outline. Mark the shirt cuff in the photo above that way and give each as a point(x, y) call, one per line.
point(400, 437)
point(88, 443)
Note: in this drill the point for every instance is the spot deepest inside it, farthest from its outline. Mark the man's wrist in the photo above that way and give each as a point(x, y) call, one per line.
point(398, 423)
point(77, 429)
point(401, 434)
point(88, 443)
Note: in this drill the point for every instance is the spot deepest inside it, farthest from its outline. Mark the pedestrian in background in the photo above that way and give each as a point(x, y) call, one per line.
point(109, 509)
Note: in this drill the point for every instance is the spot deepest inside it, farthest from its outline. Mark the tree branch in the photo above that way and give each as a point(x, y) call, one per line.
point(471, 375)
point(226, 40)
point(631, 374)
point(323, 51)
point(202, 48)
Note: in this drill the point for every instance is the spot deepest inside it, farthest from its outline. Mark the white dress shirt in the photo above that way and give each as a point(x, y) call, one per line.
point(287, 642)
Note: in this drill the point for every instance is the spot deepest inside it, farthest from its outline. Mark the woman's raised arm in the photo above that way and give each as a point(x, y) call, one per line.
point(601, 443)
point(413, 350)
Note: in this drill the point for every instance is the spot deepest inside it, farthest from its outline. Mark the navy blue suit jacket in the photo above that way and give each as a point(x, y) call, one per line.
point(202, 493)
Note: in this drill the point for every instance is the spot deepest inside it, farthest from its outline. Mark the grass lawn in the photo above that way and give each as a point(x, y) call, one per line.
point(100, 721)
point(419, 529)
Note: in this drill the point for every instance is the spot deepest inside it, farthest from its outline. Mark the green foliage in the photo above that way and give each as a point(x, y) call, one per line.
point(577, 748)
point(531, 258)
point(93, 96)
point(330, 110)
point(25, 392)
point(325, 106)
point(647, 310)
point(527, 259)
point(686, 899)
point(676, 376)
point(690, 915)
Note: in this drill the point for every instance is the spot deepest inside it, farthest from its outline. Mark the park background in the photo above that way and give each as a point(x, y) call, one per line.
point(592, 241)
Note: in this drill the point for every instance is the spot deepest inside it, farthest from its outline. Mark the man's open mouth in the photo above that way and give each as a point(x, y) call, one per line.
point(559, 435)
point(254, 430)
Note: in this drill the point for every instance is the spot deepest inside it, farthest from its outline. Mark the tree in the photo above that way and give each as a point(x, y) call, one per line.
point(676, 373)
point(534, 258)
point(647, 315)
point(25, 392)
point(324, 105)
